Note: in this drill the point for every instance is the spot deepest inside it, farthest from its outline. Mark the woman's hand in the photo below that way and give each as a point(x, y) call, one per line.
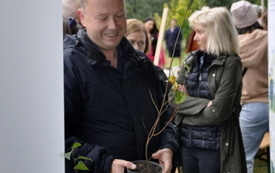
point(182, 88)
point(209, 103)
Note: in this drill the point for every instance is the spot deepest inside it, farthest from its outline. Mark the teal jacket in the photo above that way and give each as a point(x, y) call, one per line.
point(225, 83)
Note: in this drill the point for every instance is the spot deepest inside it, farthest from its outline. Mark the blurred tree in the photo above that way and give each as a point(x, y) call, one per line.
point(141, 9)
point(181, 10)
point(227, 3)
point(178, 9)
point(215, 3)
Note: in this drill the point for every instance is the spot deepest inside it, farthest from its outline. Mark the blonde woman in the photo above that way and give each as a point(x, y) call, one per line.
point(211, 76)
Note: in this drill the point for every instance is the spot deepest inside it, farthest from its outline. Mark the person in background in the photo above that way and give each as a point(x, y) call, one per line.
point(111, 95)
point(254, 119)
point(71, 23)
point(153, 33)
point(137, 35)
point(173, 39)
point(211, 77)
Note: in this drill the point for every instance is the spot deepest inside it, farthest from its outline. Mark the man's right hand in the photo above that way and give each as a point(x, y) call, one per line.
point(119, 165)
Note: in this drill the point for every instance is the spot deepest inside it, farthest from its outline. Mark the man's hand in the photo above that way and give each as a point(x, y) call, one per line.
point(165, 159)
point(119, 165)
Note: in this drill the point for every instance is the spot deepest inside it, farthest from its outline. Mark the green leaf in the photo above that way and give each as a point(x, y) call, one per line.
point(76, 145)
point(181, 12)
point(81, 166)
point(68, 155)
point(179, 97)
point(84, 158)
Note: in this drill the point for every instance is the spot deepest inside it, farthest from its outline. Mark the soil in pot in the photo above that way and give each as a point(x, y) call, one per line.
point(142, 167)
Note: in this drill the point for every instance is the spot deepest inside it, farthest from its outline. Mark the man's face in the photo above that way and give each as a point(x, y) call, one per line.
point(173, 23)
point(105, 22)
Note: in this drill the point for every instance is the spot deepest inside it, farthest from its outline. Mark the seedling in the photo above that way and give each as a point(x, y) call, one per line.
point(79, 165)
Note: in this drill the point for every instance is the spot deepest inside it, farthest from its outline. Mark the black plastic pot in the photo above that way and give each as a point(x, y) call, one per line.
point(142, 167)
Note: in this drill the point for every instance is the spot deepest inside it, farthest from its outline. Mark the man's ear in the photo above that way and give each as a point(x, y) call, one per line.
point(81, 17)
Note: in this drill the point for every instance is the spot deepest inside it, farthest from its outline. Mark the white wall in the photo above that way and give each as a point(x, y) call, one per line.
point(31, 87)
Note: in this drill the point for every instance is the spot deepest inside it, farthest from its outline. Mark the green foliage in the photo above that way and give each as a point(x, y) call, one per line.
point(179, 97)
point(214, 3)
point(84, 158)
point(68, 155)
point(76, 145)
point(141, 9)
point(80, 164)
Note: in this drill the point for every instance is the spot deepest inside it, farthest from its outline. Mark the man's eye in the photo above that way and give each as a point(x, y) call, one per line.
point(102, 18)
point(120, 16)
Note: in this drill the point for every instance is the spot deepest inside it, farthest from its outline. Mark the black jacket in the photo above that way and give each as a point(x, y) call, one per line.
point(109, 110)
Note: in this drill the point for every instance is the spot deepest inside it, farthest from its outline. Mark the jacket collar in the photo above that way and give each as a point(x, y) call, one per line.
point(195, 55)
point(95, 55)
point(220, 60)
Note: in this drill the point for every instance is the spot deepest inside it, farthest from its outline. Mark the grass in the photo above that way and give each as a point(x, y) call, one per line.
point(260, 166)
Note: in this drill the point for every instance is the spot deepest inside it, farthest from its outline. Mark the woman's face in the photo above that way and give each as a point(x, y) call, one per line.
point(149, 25)
point(201, 36)
point(138, 40)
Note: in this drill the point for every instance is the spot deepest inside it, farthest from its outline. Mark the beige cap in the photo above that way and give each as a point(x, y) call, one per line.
point(243, 14)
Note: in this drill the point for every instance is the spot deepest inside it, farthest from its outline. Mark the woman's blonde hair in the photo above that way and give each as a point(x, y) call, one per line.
point(135, 25)
point(222, 35)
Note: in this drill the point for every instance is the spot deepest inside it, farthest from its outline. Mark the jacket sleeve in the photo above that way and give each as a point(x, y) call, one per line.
point(101, 158)
point(195, 110)
point(225, 96)
point(188, 64)
point(190, 106)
